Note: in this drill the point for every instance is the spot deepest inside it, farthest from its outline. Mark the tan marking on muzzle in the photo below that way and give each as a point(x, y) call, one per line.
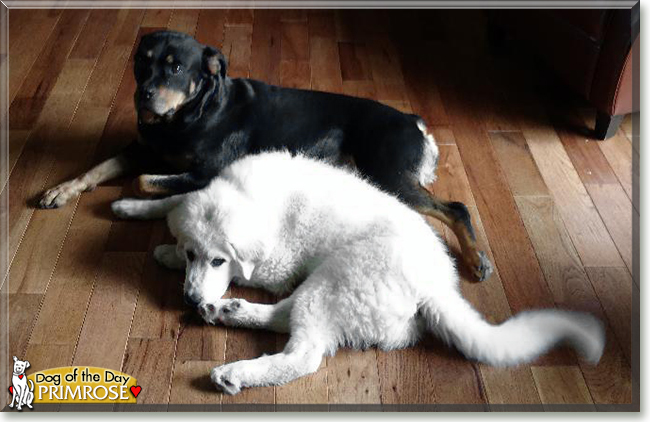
point(170, 98)
point(192, 87)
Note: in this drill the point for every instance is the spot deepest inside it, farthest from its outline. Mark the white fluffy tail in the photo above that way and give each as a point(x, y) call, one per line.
point(519, 339)
point(145, 209)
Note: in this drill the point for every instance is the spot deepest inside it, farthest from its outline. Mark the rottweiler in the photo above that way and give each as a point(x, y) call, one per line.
point(195, 120)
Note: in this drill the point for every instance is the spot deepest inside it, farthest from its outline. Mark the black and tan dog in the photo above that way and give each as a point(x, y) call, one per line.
point(196, 120)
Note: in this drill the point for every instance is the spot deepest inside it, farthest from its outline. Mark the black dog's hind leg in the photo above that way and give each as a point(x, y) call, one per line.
point(148, 185)
point(456, 216)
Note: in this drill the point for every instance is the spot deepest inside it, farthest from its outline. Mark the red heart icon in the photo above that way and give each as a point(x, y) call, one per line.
point(11, 389)
point(20, 376)
point(135, 390)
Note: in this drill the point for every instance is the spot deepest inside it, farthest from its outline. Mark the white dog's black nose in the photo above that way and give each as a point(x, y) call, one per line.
point(193, 301)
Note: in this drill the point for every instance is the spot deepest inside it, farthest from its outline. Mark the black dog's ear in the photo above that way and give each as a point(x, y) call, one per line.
point(214, 62)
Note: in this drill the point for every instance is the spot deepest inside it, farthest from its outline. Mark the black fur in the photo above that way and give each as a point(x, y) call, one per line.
point(225, 119)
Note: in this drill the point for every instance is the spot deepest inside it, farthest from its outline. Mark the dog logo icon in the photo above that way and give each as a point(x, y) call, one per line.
point(21, 388)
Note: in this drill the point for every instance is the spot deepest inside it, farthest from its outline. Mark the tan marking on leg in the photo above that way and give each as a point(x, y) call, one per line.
point(145, 186)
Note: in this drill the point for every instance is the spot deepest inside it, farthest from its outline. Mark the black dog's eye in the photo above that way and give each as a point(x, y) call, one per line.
point(190, 256)
point(217, 262)
point(176, 69)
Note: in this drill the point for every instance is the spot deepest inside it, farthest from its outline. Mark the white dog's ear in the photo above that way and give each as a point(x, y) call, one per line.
point(27, 364)
point(15, 359)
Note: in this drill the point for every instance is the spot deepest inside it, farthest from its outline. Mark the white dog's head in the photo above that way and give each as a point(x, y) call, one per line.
point(20, 366)
point(204, 232)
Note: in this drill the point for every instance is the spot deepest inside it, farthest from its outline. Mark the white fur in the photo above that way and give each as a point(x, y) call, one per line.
point(364, 269)
point(427, 170)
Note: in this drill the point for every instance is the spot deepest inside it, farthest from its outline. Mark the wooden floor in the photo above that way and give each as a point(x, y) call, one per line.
point(552, 207)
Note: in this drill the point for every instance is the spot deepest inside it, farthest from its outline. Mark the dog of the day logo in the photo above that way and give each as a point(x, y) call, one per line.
point(71, 384)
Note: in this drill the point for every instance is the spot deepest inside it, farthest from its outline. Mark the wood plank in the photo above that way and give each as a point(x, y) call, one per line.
point(239, 17)
point(517, 164)
point(184, 20)
point(105, 331)
point(266, 45)
point(322, 23)
point(587, 231)
point(325, 68)
point(295, 74)
point(29, 31)
point(21, 315)
point(45, 356)
point(609, 381)
point(209, 28)
point(156, 18)
point(561, 385)
point(31, 171)
point(237, 49)
point(17, 141)
point(353, 377)
point(616, 210)
point(191, 384)
point(295, 41)
point(509, 385)
point(443, 134)
point(150, 361)
point(355, 63)
point(41, 243)
point(90, 42)
point(363, 89)
point(42, 76)
point(160, 302)
point(64, 307)
point(615, 289)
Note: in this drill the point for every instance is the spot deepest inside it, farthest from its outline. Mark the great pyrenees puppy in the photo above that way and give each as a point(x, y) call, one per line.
point(363, 270)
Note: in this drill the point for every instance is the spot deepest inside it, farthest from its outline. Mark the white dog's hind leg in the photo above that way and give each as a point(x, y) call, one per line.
point(241, 313)
point(145, 209)
point(167, 256)
point(299, 358)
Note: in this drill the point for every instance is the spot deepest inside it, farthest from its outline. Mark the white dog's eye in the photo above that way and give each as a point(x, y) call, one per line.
point(217, 262)
point(190, 256)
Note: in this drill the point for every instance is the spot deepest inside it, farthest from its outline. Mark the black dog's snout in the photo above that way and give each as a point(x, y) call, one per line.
point(147, 93)
point(191, 300)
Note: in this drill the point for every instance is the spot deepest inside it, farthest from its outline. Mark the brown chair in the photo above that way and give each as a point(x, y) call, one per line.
point(590, 50)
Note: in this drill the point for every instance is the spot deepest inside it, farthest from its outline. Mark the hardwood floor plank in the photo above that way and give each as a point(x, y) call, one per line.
point(363, 89)
point(616, 210)
point(32, 168)
point(105, 331)
point(583, 223)
point(266, 45)
point(615, 289)
point(240, 17)
point(295, 74)
point(210, 27)
point(322, 23)
point(29, 31)
point(355, 63)
point(191, 384)
point(184, 20)
point(42, 76)
point(324, 54)
point(295, 41)
point(561, 385)
point(150, 361)
point(572, 289)
point(66, 299)
point(21, 314)
point(353, 377)
point(156, 18)
point(90, 42)
point(237, 48)
point(17, 141)
point(443, 134)
point(160, 302)
point(517, 164)
point(509, 385)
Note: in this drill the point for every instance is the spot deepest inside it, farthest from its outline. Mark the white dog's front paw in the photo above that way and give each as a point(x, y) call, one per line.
point(225, 380)
point(59, 195)
point(167, 256)
point(226, 312)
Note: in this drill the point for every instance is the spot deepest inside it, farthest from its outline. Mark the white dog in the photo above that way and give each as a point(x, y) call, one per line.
point(365, 270)
point(23, 395)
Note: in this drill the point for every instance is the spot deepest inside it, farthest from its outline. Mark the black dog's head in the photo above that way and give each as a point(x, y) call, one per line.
point(172, 69)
